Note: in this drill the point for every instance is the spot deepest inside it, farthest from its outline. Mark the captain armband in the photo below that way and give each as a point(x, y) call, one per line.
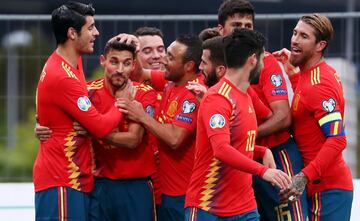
point(332, 125)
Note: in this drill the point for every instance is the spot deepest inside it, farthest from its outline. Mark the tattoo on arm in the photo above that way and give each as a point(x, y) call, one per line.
point(299, 182)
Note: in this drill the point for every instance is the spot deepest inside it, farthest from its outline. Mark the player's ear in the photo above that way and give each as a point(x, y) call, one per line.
point(102, 60)
point(252, 60)
point(71, 33)
point(320, 46)
point(220, 29)
point(220, 71)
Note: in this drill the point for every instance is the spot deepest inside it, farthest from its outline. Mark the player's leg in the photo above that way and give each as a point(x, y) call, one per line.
point(140, 198)
point(62, 203)
point(331, 205)
point(173, 208)
point(96, 197)
point(127, 200)
point(288, 159)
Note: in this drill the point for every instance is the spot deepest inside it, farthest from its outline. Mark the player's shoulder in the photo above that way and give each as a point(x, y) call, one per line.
point(143, 87)
point(220, 91)
point(96, 84)
point(323, 75)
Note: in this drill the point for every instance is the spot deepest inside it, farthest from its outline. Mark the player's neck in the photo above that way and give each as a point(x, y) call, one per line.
point(187, 77)
point(239, 78)
point(69, 54)
point(311, 62)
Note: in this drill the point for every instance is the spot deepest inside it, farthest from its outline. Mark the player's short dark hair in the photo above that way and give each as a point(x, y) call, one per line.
point(231, 7)
point(143, 31)
point(241, 44)
point(71, 14)
point(116, 45)
point(194, 49)
point(216, 47)
point(208, 33)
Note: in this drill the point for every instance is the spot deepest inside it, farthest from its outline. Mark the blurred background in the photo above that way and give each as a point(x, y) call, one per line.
point(27, 40)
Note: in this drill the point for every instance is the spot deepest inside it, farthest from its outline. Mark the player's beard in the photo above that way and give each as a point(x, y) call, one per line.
point(211, 79)
point(115, 84)
point(255, 74)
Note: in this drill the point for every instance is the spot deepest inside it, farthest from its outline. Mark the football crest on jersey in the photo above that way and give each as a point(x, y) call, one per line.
point(172, 108)
point(188, 107)
point(217, 121)
point(276, 80)
point(150, 110)
point(329, 105)
point(83, 103)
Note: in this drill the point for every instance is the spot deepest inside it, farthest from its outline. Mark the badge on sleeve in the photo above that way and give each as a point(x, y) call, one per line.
point(83, 103)
point(150, 110)
point(276, 80)
point(188, 107)
point(329, 105)
point(217, 121)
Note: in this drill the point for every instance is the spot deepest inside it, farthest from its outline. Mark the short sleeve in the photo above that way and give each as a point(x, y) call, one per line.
point(186, 114)
point(325, 104)
point(272, 80)
point(216, 115)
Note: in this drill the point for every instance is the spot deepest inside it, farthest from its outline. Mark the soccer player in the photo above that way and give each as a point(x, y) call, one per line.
point(151, 56)
point(152, 49)
point(62, 171)
point(318, 126)
point(176, 125)
point(220, 185)
point(273, 132)
point(213, 68)
point(124, 160)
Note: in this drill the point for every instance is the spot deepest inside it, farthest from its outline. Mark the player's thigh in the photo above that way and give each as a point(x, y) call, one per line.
point(331, 205)
point(172, 208)
point(59, 203)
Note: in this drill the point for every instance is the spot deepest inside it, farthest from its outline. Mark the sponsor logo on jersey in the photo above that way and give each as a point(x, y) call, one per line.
point(83, 103)
point(217, 121)
point(188, 107)
point(329, 105)
point(150, 110)
point(276, 80)
point(184, 118)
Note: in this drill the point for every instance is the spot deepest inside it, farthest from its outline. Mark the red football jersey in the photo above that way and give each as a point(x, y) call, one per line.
point(318, 113)
point(179, 107)
point(215, 186)
point(121, 162)
point(65, 159)
point(271, 87)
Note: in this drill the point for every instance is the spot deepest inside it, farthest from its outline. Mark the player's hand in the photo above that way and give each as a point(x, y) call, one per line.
point(79, 129)
point(268, 159)
point(127, 39)
point(41, 132)
point(197, 89)
point(278, 178)
point(133, 109)
point(295, 190)
point(283, 56)
point(128, 92)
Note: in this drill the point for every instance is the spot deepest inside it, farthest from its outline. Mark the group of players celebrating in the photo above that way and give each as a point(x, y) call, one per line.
point(201, 130)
